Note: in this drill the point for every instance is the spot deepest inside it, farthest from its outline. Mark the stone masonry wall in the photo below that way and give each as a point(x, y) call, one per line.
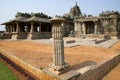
point(32, 71)
point(100, 70)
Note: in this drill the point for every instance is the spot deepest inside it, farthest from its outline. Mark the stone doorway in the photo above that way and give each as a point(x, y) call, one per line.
point(90, 29)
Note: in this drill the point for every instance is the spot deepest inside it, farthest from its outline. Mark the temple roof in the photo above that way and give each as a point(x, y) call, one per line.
point(25, 17)
point(38, 19)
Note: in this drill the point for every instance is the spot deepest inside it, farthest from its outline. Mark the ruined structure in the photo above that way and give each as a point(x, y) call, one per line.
point(37, 25)
point(107, 22)
point(28, 26)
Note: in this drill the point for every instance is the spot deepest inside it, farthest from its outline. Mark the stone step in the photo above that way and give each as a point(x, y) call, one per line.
point(107, 44)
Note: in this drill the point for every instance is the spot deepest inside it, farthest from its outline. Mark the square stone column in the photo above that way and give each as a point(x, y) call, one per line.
point(96, 28)
point(31, 33)
point(83, 28)
point(75, 27)
point(17, 27)
point(79, 30)
point(32, 27)
point(15, 33)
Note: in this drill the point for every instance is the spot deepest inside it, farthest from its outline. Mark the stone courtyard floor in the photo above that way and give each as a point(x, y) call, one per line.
point(40, 55)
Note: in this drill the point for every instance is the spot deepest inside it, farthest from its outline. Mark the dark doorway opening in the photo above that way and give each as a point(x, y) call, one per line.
point(90, 27)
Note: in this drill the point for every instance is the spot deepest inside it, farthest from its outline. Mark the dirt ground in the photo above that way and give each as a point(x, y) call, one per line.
point(40, 55)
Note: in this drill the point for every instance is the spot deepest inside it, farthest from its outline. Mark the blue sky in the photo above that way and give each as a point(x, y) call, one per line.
point(8, 8)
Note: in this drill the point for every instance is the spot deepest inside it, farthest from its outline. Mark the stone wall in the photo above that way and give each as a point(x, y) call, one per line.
point(100, 70)
point(5, 35)
point(37, 74)
point(22, 35)
point(39, 35)
point(34, 35)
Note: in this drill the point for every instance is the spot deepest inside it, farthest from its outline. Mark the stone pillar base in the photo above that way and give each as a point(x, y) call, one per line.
point(66, 74)
point(29, 36)
point(14, 36)
point(57, 70)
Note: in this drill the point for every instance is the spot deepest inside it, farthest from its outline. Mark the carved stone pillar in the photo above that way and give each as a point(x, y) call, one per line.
point(75, 26)
point(80, 27)
point(13, 26)
point(58, 66)
point(17, 27)
point(83, 28)
point(32, 27)
point(96, 27)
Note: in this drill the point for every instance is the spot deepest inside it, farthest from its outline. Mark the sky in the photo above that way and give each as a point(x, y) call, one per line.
point(9, 8)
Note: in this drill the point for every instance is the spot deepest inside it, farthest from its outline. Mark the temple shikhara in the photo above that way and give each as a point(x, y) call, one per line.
point(76, 24)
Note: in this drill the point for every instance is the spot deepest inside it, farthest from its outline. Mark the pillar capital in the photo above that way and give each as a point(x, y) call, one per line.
point(16, 22)
point(96, 22)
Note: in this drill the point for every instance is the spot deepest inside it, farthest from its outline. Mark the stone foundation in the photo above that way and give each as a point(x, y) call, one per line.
point(35, 73)
point(100, 70)
point(35, 35)
point(5, 36)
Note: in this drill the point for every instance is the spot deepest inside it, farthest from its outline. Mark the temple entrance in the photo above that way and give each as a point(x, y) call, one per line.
point(90, 27)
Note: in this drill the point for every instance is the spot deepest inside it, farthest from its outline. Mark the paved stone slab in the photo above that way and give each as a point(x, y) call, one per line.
point(69, 75)
point(85, 69)
point(107, 44)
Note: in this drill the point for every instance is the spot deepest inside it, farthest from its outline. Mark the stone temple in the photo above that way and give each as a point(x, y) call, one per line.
point(38, 25)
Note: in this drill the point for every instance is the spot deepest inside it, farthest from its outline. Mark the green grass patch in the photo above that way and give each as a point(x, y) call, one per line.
point(6, 74)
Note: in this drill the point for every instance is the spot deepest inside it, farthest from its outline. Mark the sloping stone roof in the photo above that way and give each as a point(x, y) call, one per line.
point(38, 19)
point(25, 17)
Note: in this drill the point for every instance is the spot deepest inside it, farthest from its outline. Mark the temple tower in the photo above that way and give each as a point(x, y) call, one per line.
point(75, 11)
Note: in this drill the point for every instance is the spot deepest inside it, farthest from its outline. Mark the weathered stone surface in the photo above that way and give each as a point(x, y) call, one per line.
point(58, 47)
point(70, 75)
